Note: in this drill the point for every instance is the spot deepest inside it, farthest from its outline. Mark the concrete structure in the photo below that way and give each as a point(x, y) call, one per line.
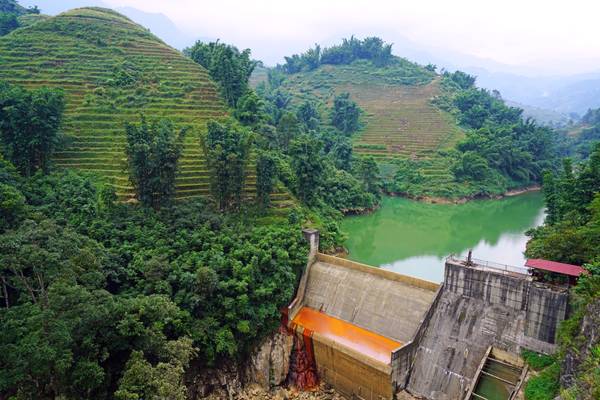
point(381, 302)
point(480, 307)
point(443, 332)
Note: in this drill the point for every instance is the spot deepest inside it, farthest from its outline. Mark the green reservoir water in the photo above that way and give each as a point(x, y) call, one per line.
point(413, 238)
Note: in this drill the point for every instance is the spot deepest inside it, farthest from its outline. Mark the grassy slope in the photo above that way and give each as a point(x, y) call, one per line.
point(85, 51)
point(399, 122)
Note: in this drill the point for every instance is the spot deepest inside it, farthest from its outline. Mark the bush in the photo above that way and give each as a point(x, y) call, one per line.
point(537, 361)
point(544, 386)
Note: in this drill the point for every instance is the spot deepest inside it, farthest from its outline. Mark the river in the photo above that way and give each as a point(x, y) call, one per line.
point(413, 238)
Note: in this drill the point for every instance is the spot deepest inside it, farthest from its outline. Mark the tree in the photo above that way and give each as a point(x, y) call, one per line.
point(345, 113)
point(341, 153)
point(153, 151)
point(307, 165)
point(250, 109)
point(288, 129)
point(8, 23)
point(164, 381)
point(309, 116)
point(226, 65)
point(266, 172)
point(29, 125)
point(368, 173)
point(227, 148)
point(471, 166)
point(12, 206)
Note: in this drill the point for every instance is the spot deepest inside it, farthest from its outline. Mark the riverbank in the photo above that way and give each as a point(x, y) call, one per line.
point(463, 200)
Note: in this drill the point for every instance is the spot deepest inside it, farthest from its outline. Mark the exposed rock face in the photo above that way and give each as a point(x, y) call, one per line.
point(588, 339)
point(269, 366)
point(223, 382)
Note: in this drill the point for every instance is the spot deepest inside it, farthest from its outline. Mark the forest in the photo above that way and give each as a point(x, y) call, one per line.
point(571, 234)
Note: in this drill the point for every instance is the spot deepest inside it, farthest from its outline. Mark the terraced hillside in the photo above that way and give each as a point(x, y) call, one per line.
point(112, 70)
point(400, 121)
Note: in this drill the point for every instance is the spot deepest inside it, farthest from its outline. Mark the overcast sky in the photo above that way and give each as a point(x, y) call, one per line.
point(550, 36)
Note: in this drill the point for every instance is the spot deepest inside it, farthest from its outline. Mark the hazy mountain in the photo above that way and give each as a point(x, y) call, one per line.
point(562, 94)
point(162, 26)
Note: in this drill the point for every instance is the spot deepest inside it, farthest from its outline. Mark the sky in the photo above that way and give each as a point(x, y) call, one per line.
point(546, 36)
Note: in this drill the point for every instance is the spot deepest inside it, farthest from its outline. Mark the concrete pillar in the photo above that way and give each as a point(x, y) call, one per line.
point(312, 237)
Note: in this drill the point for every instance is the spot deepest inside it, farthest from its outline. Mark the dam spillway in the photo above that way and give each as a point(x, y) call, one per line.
point(352, 336)
point(353, 315)
point(360, 319)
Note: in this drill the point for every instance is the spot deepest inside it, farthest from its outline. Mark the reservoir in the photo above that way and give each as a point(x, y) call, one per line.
point(413, 238)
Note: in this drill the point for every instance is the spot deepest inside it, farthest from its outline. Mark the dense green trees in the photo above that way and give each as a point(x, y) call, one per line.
point(266, 174)
point(8, 23)
point(153, 151)
point(308, 115)
point(9, 11)
point(307, 164)
point(114, 302)
point(571, 234)
point(345, 114)
point(227, 148)
point(500, 150)
point(371, 48)
point(226, 65)
point(29, 125)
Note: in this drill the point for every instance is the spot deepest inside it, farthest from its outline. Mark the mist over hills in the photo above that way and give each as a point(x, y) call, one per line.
point(560, 94)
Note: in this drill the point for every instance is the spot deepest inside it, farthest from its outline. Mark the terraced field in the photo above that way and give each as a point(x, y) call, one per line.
point(400, 124)
point(399, 120)
point(113, 70)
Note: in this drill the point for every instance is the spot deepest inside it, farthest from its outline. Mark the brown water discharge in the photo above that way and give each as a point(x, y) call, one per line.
point(359, 339)
point(303, 368)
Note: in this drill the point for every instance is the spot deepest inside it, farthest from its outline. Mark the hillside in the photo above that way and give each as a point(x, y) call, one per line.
point(399, 123)
point(112, 70)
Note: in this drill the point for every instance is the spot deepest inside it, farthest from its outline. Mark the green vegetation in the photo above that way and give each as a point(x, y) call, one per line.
point(111, 300)
point(537, 361)
point(226, 65)
point(372, 49)
point(544, 386)
point(437, 135)
point(153, 151)
point(579, 141)
point(111, 71)
point(571, 234)
point(29, 123)
point(227, 147)
point(345, 113)
point(10, 15)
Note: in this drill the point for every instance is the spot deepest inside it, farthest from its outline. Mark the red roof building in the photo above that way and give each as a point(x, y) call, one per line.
point(555, 267)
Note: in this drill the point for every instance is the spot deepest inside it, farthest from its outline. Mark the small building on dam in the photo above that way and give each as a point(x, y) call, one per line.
point(375, 333)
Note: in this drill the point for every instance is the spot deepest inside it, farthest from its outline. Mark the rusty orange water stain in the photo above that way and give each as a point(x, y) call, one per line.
point(359, 339)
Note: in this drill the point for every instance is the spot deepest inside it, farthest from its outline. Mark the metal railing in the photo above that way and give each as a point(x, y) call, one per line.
point(495, 266)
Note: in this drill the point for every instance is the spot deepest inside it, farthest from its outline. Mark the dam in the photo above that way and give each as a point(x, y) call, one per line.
point(375, 333)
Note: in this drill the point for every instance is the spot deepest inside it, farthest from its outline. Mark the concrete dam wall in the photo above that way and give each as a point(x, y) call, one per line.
point(479, 308)
point(374, 332)
point(358, 318)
